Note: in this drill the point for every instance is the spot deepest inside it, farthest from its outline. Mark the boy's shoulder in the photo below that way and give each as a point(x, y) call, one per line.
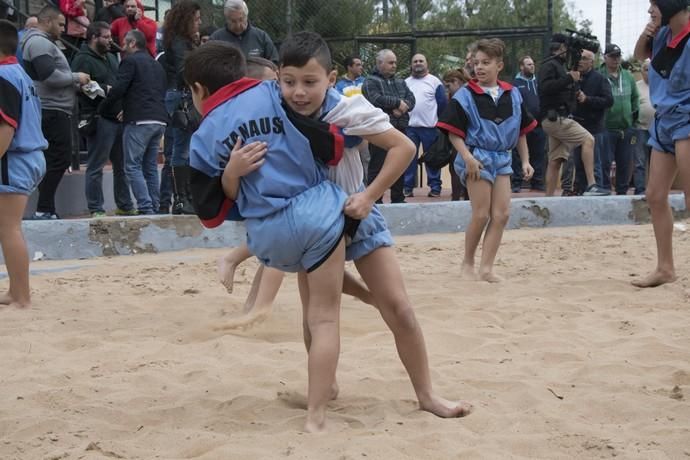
point(259, 92)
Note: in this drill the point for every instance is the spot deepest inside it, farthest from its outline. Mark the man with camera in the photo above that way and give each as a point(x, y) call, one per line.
point(558, 90)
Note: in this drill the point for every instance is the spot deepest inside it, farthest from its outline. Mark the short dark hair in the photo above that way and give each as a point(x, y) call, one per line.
point(8, 38)
point(492, 47)
point(95, 29)
point(350, 60)
point(214, 65)
point(137, 37)
point(299, 48)
point(48, 13)
point(207, 31)
point(256, 66)
point(523, 59)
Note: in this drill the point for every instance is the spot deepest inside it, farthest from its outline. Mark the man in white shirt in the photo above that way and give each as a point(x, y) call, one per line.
point(431, 99)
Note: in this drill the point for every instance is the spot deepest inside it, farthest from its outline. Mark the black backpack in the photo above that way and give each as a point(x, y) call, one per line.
point(440, 153)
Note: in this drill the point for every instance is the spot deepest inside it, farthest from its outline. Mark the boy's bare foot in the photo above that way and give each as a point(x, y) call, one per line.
point(656, 278)
point(467, 272)
point(226, 273)
point(7, 299)
point(316, 421)
point(446, 409)
point(489, 277)
point(254, 317)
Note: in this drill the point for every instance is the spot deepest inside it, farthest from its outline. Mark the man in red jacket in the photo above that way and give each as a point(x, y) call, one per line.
point(135, 19)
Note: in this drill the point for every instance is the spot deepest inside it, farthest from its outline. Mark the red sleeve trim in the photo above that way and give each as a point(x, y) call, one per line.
point(9, 60)
point(8, 119)
point(451, 129)
point(528, 128)
point(338, 145)
point(220, 218)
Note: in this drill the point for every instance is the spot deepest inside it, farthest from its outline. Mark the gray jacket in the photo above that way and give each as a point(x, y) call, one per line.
point(48, 68)
point(252, 42)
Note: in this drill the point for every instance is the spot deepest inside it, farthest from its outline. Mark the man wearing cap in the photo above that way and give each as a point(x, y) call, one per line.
point(620, 121)
point(557, 101)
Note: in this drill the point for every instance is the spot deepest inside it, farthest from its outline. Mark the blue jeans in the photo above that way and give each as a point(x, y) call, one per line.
point(106, 143)
point(425, 137)
point(166, 190)
point(600, 149)
point(181, 139)
point(141, 143)
point(621, 151)
point(642, 154)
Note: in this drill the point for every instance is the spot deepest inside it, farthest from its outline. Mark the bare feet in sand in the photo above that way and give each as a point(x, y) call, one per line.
point(226, 272)
point(446, 409)
point(489, 277)
point(316, 421)
point(7, 299)
point(467, 272)
point(656, 278)
point(254, 317)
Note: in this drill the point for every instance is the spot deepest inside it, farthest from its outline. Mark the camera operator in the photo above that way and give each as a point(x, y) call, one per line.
point(558, 89)
point(593, 100)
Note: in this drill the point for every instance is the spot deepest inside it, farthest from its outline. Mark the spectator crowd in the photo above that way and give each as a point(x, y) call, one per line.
point(117, 75)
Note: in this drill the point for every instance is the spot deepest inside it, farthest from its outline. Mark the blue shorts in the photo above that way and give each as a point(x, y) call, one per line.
point(666, 130)
point(371, 234)
point(21, 172)
point(494, 163)
point(303, 235)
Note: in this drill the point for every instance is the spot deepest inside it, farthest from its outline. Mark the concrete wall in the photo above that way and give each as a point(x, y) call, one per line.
point(83, 238)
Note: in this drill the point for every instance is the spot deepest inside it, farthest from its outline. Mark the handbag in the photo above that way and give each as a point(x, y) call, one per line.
point(186, 117)
point(439, 153)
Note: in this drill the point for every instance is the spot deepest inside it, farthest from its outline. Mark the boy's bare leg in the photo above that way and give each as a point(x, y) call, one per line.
point(662, 171)
point(683, 163)
point(303, 287)
point(500, 212)
point(381, 272)
point(229, 262)
point(323, 322)
point(356, 288)
point(480, 199)
point(14, 250)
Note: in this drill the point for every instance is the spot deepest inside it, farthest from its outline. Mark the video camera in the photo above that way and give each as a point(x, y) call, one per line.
point(576, 42)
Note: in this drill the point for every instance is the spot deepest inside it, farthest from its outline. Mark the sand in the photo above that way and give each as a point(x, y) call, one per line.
point(565, 359)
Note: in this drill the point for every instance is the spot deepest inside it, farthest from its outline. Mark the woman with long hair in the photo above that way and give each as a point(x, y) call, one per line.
point(180, 29)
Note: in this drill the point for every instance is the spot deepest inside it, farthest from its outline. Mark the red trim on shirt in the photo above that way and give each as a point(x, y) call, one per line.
point(474, 86)
point(227, 92)
point(338, 145)
point(220, 218)
point(528, 128)
point(9, 60)
point(679, 38)
point(451, 129)
point(10, 121)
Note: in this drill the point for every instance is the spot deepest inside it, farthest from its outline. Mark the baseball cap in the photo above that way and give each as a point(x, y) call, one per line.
point(612, 50)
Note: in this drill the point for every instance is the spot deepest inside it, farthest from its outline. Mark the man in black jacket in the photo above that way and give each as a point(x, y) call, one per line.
point(392, 95)
point(557, 101)
point(593, 100)
point(100, 124)
point(141, 84)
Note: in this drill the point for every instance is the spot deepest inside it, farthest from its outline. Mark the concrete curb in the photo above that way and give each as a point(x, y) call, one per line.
point(85, 238)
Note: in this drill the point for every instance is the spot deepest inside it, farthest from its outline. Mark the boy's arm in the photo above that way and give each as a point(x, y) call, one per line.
point(10, 113)
point(243, 160)
point(400, 151)
point(6, 135)
point(527, 169)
